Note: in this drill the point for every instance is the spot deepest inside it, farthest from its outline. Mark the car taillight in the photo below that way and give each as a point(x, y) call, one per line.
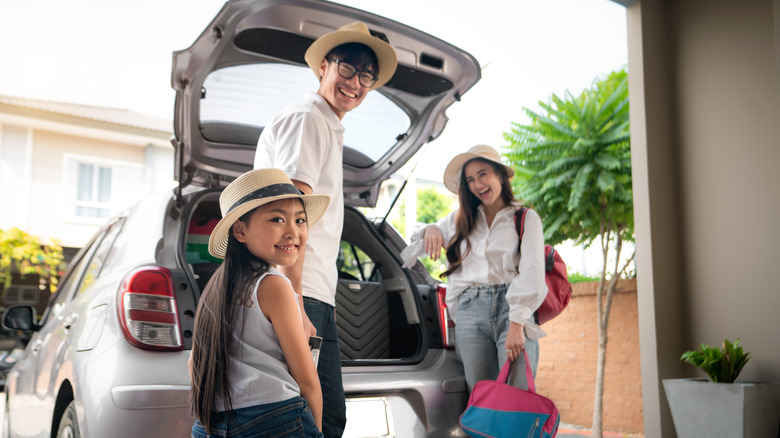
point(447, 324)
point(147, 309)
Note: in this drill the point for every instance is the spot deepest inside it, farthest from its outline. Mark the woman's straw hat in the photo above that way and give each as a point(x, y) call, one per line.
point(453, 171)
point(253, 189)
point(356, 32)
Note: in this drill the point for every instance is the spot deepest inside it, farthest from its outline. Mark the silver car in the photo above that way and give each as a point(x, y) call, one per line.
point(108, 358)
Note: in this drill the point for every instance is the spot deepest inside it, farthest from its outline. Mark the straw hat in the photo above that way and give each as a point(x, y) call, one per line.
point(453, 171)
point(356, 32)
point(253, 189)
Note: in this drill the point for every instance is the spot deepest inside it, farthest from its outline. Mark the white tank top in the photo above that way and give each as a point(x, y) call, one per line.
point(258, 371)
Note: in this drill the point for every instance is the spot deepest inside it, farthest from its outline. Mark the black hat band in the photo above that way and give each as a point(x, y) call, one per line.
point(266, 192)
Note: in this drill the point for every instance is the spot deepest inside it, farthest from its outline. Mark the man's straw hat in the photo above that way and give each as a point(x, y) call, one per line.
point(356, 32)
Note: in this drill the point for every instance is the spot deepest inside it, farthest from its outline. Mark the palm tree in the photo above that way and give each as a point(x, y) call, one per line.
point(573, 166)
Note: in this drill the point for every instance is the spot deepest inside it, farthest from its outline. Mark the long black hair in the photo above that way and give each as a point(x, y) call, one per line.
point(215, 317)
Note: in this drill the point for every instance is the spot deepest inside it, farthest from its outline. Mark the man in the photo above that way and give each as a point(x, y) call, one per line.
point(306, 141)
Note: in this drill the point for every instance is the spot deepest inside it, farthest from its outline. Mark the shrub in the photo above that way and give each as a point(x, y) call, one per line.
point(721, 365)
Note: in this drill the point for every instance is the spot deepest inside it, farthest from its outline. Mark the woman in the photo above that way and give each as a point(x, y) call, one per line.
point(492, 289)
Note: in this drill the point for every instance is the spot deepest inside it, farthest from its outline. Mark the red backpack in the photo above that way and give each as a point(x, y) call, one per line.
point(558, 286)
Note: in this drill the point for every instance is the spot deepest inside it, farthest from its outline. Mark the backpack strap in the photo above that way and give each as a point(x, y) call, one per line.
point(519, 224)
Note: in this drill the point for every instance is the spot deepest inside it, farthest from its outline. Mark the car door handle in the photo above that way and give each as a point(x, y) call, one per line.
point(69, 320)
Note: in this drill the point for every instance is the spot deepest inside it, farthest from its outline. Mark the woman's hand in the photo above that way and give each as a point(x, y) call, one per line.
point(515, 341)
point(434, 241)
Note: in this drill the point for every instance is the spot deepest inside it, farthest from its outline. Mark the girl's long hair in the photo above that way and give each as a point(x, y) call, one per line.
point(467, 213)
point(215, 317)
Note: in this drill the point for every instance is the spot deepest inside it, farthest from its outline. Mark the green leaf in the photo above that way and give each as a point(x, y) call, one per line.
point(721, 365)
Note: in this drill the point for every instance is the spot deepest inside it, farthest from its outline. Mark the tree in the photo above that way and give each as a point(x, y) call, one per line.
point(431, 206)
point(26, 254)
point(573, 166)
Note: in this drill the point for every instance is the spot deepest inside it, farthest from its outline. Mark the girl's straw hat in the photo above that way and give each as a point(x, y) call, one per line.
point(253, 189)
point(356, 32)
point(453, 171)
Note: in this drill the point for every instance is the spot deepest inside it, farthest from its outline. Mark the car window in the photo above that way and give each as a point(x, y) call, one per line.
point(67, 286)
point(251, 94)
point(76, 270)
point(355, 264)
point(97, 261)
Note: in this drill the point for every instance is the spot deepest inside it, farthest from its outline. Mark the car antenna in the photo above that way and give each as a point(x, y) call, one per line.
point(420, 154)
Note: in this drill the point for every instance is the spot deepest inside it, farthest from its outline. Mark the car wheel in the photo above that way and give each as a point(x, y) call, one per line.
point(69, 426)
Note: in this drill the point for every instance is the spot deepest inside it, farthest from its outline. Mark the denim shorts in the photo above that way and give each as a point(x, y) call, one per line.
point(289, 418)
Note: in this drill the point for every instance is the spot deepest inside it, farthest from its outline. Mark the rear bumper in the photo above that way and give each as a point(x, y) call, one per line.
point(424, 400)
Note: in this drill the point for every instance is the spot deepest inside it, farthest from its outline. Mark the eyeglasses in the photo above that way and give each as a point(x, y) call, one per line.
point(347, 71)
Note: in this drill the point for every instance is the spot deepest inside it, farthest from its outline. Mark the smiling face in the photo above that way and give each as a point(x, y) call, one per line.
point(342, 95)
point(275, 232)
point(484, 182)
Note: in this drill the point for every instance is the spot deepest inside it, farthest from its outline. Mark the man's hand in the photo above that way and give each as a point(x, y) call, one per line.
point(308, 327)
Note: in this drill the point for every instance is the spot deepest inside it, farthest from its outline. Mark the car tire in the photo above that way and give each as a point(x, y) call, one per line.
point(69, 426)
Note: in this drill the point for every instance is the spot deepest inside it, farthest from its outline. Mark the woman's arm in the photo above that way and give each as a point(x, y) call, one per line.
point(528, 289)
point(276, 299)
point(435, 236)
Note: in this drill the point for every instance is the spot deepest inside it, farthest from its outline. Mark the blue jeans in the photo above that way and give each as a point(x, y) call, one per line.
point(334, 408)
point(480, 335)
point(289, 418)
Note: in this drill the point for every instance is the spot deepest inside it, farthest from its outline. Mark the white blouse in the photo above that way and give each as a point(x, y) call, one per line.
point(494, 259)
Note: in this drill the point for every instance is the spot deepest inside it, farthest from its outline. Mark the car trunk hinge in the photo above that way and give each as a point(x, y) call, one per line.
point(179, 163)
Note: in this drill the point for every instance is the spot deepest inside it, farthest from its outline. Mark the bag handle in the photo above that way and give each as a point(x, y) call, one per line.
point(503, 376)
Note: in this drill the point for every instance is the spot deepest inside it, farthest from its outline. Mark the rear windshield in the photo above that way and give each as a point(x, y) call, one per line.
point(249, 95)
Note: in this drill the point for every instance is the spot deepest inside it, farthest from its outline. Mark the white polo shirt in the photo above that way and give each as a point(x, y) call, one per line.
point(306, 141)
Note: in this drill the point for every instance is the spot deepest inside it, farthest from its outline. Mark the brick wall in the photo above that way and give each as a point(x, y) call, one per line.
point(568, 354)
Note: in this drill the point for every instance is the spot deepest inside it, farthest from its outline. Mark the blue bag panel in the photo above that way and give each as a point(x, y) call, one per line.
point(484, 422)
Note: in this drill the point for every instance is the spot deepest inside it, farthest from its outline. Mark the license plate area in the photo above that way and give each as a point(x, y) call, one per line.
point(369, 417)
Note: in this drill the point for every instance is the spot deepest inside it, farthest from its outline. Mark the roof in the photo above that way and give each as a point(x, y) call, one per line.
point(114, 116)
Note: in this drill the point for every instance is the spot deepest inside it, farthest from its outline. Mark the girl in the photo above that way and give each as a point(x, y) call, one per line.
point(250, 365)
point(492, 291)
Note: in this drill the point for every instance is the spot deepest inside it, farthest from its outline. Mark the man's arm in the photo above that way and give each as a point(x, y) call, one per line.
point(295, 272)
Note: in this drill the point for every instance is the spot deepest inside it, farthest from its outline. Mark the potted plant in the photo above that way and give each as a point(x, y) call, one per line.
point(720, 406)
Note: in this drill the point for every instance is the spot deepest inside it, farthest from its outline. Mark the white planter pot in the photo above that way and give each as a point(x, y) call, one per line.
point(701, 408)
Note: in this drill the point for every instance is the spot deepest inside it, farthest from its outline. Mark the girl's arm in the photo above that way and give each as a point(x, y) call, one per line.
point(295, 272)
point(278, 302)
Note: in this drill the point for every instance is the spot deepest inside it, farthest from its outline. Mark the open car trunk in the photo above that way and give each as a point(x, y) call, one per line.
point(378, 308)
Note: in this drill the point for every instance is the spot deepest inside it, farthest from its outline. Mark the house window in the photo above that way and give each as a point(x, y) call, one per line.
point(97, 188)
point(93, 192)
point(20, 294)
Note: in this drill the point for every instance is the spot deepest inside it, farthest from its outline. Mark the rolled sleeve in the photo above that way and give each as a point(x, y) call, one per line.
point(447, 227)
